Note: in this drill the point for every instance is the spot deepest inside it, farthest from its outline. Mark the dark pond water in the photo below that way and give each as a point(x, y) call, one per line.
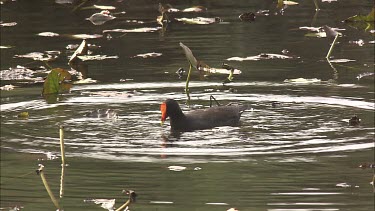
point(299, 155)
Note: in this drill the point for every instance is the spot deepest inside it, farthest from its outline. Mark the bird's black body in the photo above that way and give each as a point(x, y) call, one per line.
point(228, 115)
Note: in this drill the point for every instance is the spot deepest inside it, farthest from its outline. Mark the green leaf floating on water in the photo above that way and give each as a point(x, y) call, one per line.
point(56, 82)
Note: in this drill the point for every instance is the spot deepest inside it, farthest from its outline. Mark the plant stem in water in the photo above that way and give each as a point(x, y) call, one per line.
point(62, 181)
point(45, 183)
point(187, 91)
point(127, 203)
point(316, 5)
point(332, 45)
point(62, 145)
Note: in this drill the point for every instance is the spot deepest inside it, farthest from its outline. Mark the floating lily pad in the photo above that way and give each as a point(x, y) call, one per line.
point(56, 82)
point(341, 60)
point(96, 57)
point(199, 20)
point(147, 55)
point(261, 56)
point(100, 7)
point(7, 24)
point(48, 34)
point(137, 30)
point(100, 18)
point(302, 80)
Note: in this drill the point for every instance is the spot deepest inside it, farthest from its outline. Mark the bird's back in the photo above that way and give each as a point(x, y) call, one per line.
point(214, 117)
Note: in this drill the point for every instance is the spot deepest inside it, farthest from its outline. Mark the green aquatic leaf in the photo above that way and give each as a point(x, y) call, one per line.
point(363, 18)
point(56, 82)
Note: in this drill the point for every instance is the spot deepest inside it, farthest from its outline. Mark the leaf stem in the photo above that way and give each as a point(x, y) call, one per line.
point(316, 6)
point(187, 91)
point(45, 183)
point(127, 203)
point(332, 45)
point(62, 145)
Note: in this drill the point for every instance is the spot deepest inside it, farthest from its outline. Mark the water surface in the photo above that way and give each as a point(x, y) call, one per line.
point(299, 155)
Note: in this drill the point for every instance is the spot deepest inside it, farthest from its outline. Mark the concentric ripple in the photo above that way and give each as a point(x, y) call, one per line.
point(296, 125)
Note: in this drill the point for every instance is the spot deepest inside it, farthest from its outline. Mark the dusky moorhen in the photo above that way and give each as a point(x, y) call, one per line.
point(228, 115)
